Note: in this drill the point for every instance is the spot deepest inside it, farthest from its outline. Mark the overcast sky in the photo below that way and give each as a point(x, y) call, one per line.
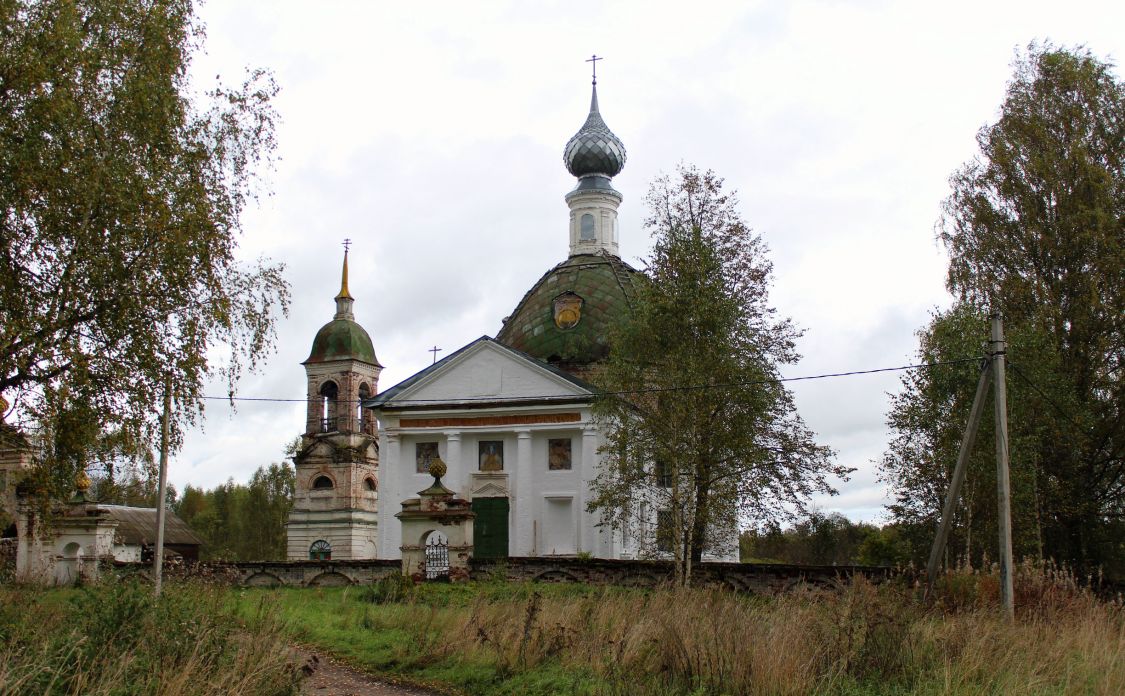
point(432, 133)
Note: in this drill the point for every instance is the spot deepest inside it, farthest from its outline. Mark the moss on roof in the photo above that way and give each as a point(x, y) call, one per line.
point(604, 283)
point(342, 339)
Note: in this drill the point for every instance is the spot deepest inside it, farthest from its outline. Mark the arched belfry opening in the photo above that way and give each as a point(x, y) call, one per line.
point(329, 399)
point(339, 451)
point(363, 419)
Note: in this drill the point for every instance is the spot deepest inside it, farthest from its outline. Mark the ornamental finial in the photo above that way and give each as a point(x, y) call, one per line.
point(437, 470)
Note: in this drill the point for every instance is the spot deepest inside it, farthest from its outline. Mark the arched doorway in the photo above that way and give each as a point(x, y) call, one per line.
point(69, 564)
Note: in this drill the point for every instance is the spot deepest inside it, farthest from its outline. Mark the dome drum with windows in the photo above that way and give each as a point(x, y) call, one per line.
point(566, 317)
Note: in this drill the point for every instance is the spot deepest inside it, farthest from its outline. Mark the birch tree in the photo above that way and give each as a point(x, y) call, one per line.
point(700, 434)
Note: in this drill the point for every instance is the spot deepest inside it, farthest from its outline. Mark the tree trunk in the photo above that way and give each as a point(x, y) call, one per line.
point(702, 509)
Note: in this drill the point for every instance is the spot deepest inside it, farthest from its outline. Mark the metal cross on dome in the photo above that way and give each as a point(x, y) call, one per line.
point(347, 244)
point(593, 60)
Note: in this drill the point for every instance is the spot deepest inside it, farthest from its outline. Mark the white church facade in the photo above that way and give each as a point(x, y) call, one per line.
point(518, 440)
point(509, 416)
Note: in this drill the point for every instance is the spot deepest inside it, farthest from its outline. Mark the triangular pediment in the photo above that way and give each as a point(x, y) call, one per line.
point(491, 490)
point(483, 371)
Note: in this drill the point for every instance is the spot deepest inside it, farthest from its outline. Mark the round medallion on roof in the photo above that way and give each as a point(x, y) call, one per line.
point(342, 339)
point(567, 316)
point(594, 149)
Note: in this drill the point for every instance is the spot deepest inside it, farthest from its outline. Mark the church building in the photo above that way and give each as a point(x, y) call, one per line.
point(509, 416)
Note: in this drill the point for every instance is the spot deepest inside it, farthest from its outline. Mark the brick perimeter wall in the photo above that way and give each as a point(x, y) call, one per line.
point(753, 578)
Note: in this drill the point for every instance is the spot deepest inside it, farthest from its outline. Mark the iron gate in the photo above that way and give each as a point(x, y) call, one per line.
point(437, 556)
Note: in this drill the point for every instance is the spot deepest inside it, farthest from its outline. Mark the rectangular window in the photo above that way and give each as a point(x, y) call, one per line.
point(424, 453)
point(491, 455)
point(664, 531)
point(662, 471)
point(558, 454)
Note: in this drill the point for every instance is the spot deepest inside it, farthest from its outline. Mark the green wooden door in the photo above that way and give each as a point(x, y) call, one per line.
point(490, 528)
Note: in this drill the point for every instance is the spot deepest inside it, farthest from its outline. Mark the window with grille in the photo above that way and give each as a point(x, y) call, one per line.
point(320, 550)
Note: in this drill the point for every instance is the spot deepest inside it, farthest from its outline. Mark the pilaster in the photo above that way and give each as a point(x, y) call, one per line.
point(457, 471)
point(524, 502)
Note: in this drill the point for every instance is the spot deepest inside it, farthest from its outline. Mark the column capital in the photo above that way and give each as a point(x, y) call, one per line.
point(523, 433)
point(452, 434)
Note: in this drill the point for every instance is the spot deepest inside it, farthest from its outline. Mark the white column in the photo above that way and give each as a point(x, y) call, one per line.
point(586, 538)
point(458, 477)
point(391, 496)
point(523, 493)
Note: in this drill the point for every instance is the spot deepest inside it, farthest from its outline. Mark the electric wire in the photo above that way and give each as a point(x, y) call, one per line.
point(648, 390)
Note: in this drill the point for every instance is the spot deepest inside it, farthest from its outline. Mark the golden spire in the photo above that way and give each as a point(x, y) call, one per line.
point(344, 294)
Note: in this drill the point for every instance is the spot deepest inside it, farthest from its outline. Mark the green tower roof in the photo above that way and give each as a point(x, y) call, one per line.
point(565, 318)
point(342, 339)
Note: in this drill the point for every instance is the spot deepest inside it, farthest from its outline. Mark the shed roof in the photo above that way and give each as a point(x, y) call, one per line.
point(137, 525)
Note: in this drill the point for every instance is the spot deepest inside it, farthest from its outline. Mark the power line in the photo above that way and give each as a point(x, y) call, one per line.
point(650, 390)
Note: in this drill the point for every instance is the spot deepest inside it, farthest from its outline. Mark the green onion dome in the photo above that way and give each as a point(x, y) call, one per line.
point(342, 339)
point(565, 318)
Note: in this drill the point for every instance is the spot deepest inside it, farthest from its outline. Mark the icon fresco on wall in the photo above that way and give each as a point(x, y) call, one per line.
point(491, 455)
point(558, 454)
point(424, 453)
point(568, 310)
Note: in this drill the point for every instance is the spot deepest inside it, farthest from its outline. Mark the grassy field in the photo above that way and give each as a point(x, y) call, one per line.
point(499, 638)
point(495, 638)
point(114, 640)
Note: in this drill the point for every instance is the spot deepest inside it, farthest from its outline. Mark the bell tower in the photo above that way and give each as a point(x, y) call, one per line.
point(336, 493)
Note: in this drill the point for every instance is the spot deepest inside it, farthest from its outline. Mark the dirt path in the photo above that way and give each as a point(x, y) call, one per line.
point(330, 678)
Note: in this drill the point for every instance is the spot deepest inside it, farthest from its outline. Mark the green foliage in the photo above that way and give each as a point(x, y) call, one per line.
point(395, 587)
point(242, 522)
point(1034, 227)
point(695, 427)
point(820, 539)
point(885, 546)
point(121, 198)
point(114, 639)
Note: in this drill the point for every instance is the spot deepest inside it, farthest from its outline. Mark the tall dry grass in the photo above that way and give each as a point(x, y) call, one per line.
point(115, 639)
point(865, 639)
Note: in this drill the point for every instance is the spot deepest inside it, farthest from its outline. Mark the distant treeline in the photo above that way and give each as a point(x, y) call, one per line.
point(241, 522)
point(826, 539)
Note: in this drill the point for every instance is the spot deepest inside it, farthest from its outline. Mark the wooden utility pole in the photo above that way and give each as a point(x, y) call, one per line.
point(993, 371)
point(158, 557)
point(954, 491)
point(1003, 488)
